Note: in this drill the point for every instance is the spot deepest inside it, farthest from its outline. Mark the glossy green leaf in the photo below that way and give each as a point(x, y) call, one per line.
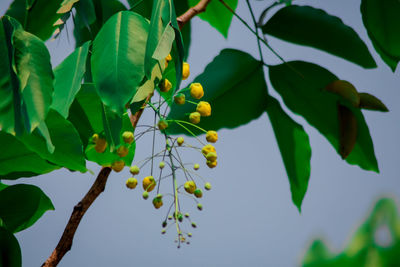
point(10, 252)
point(19, 160)
point(68, 79)
point(382, 21)
point(68, 151)
point(37, 18)
point(301, 86)
point(118, 59)
point(295, 149)
point(108, 157)
point(22, 205)
point(33, 67)
point(217, 15)
point(12, 113)
point(313, 27)
point(237, 94)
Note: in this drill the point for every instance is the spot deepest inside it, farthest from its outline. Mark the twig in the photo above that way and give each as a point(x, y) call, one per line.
point(192, 12)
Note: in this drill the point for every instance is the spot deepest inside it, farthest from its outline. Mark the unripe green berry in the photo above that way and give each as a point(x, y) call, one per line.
point(207, 186)
point(163, 231)
point(198, 193)
point(194, 225)
point(134, 170)
point(161, 165)
point(170, 217)
point(145, 195)
point(128, 137)
point(199, 206)
point(211, 156)
point(196, 166)
point(187, 215)
point(189, 234)
point(180, 217)
point(179, 99)
point(131, 183)
point(164, 224)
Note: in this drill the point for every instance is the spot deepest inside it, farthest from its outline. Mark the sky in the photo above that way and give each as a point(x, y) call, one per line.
point(248, 217)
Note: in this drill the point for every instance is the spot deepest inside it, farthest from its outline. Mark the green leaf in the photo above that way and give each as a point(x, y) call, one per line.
point(163, 30)
point(301, 86)
point(108, 157)
point(68, 151)
point(295, 149)
point(382, 21)
point(37, 18)
point(22, 205)
point(118, 59)
point(66, 6)
point(19, 160)
point(313, 27)
point(68, 79)
point(217, 15)
point(235, 87)
point(33, 67)
point(10, 252)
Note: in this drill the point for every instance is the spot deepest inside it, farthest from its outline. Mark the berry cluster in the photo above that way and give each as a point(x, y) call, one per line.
point(170, 158)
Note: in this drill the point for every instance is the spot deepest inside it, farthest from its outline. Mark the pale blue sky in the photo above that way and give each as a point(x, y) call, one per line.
point(248, 218)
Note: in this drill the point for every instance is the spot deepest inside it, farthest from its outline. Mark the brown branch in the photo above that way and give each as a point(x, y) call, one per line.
point(65, 243)
point(192, 12)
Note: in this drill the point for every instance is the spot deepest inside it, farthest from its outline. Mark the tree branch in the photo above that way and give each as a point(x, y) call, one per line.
point(65, 243)
point(192, 12)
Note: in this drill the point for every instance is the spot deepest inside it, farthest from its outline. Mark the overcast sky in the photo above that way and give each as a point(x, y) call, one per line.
point(248, 217)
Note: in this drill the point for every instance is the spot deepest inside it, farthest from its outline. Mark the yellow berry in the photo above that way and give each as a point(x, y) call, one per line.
point(198, 193)
point(180, 141)
point(204, 108)
point(95, 137)
point(162, 124)
point(149, 183)
point(134, 170)
point(207, 186)
point(168, 58)
point(194, 117)
point(196, 166)
point(131, 183)
point(185, 71)
point(196, 90)
point(179, 99)
point(211, 164)
point(118, 165)
point(212, 136)
point(207, 149)
point(211, 156)
point(122, 151)
point(190, 187)
point(128, 137)
point(101, 145)
point(165, 85)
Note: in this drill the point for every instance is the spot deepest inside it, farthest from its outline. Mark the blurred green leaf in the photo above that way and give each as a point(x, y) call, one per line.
point(301, 86)
point(68, 79)
point(118, 59)
point(295, 149)
point(37, 18)
point(217, 15)
point(10, 252)
point(313, 27)
point(18, 161)
point(235, 87)
point(382, 21)
point(22, 205)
